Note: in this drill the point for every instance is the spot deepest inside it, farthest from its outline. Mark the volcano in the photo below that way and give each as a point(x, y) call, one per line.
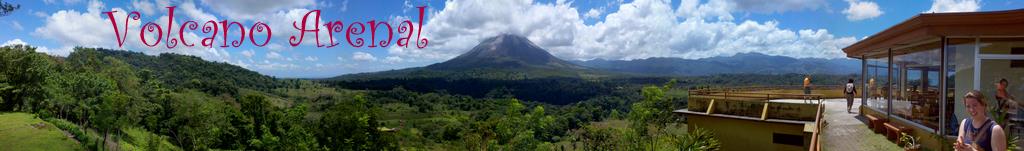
point(505, 56)
point(506, 51)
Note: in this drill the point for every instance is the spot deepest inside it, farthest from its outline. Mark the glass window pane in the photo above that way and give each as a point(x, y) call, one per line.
point(877, 75)
point(915, 87)
point(1002, 98)
point(959, 67)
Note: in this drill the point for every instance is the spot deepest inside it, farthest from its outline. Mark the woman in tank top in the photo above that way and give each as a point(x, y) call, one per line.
point(978, 132)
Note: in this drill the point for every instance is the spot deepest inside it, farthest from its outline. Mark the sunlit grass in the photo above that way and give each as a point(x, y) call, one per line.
point(23, 131)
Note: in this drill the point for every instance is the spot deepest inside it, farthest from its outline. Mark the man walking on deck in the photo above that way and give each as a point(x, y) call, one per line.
point(849, 90)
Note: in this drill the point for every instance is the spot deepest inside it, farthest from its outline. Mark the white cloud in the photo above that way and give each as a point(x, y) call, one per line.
point(639, 29)
point(392, 59)
point(463, 23)
point(190, 10)
point(56, 52)
point(248, 53)
point(942, 6)
point(860, 10)
point(593, 13)
point(62, 51)
point(312, 58)
point(344, 6)
point(406, 6)
point(341, 58)
point(281, 25)
point(251, 9)
point(777, 6)
point(144, 6)
point(92, 29)
point(274, 55)
point(720, 10)
point(16, 25)
point(363, 56)
point(14, 42)
point(240, 64)
point(266, 65)
point(41, 14)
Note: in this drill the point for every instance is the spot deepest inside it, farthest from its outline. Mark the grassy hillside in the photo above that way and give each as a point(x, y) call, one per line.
point(23, 131)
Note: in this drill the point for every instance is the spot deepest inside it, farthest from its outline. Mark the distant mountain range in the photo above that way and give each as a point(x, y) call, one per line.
point(743, 63)
point(512, 57)
point(505, 56)
point(512, 65)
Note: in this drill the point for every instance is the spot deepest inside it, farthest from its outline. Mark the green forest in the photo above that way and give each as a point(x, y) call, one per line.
point(121, 100)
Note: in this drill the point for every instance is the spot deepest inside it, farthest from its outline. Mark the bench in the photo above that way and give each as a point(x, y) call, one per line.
point(875, 123)
point(894, 131)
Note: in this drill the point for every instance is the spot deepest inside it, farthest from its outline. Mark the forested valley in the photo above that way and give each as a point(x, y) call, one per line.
point(121, 100)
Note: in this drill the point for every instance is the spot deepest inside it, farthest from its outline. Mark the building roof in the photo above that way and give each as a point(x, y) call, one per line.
point(932, 26)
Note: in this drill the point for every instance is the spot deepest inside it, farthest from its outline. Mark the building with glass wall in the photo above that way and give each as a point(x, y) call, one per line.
point(916, 73)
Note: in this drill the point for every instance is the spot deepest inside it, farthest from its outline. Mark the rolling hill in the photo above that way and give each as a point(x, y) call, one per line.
point(184, 71)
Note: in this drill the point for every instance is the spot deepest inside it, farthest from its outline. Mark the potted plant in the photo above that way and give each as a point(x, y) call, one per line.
point(909, 142)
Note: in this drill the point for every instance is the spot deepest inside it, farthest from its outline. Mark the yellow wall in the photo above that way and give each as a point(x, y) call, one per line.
point(744, 135)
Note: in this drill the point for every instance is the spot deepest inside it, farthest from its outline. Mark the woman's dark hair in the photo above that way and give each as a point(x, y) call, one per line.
point(851, 81)
point(1004, 81)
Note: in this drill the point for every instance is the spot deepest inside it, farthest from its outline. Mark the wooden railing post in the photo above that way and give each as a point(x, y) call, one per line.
point(711, 106)
point(764, 112)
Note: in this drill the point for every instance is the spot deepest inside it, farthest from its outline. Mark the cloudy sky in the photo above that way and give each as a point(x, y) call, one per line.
point(572, 30)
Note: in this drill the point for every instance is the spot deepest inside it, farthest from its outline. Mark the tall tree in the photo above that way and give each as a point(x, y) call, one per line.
point(23, 74)
point(654, 110)
point(7, 8)
point(110, 113)
point(353, 125)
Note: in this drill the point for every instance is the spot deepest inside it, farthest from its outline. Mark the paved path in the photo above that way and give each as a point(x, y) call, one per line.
point(848, 132)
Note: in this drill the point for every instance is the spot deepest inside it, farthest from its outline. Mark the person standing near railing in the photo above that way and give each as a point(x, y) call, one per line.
point(807, 84)
point(850, 90)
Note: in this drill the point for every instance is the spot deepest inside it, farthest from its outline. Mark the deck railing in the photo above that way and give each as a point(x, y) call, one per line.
point(768, 92)
point(818, 124)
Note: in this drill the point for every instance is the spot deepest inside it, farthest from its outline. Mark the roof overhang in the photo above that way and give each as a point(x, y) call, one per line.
point(932, 26)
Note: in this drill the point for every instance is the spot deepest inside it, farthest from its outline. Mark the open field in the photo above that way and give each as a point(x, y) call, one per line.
point(23, 131)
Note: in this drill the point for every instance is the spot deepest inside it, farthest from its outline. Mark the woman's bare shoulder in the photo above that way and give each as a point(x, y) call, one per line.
point(997, 128)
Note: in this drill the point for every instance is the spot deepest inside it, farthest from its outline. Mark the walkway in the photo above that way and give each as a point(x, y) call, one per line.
point(847, 131)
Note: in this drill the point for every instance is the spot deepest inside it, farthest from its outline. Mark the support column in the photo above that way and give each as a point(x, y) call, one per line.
point(888, 85)
point(863, 82)
point(942, 87)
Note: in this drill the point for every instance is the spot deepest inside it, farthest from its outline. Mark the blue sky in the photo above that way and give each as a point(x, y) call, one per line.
point(572, 30)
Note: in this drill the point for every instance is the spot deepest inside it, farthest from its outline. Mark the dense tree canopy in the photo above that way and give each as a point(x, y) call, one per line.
point(112, 98)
